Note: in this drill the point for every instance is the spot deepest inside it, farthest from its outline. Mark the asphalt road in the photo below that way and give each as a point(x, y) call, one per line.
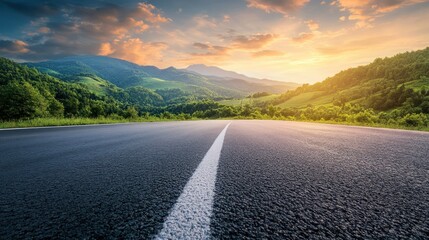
point(264, 180)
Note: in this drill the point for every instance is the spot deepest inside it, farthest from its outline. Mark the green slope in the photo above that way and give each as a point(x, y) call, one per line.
point(26, 93)
point(382, 85)
point(244, 101)
point(126, 74)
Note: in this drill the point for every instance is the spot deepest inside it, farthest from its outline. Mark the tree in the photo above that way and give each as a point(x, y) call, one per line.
point(21, 101)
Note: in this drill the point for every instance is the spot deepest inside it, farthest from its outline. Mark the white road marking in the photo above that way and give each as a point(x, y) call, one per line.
point(190, 215)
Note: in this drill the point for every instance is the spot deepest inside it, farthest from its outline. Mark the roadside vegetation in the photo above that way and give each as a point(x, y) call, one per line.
point(390, 92)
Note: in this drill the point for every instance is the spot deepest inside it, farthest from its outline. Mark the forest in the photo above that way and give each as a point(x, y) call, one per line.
point(388, 92)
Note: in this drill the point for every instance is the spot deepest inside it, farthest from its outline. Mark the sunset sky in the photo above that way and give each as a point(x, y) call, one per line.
point(289, 40)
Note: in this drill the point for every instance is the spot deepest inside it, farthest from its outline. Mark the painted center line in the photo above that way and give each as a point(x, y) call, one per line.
point(190, 215)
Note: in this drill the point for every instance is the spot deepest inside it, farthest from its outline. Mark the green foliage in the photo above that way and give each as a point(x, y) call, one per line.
point(383, 85)
point(260, 94)
point(25, 93)
point(125, 74)
point(379, 94)
point(21, 101)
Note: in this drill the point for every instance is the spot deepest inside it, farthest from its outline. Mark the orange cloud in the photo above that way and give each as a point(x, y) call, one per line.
point(279, 6)
point(134, 50)
point(365, 11)
point(253, 41)
point(150, 13)
point(312, 25)
point(210, 50)
point(303, 37)
point(105, 49)
point(267, 53)
point(13, 46)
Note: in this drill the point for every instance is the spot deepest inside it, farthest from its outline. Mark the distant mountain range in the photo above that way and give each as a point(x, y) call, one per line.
point(392, 90)
point(124, 74)
point(213, 71)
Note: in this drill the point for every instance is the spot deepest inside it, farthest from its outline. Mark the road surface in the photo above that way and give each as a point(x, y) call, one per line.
point(208, 179)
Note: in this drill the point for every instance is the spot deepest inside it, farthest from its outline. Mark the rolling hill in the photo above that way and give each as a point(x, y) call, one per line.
point(235, 79)
point(125, 74)
point(382, 85)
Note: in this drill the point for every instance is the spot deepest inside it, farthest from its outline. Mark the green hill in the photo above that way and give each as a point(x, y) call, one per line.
point(125, 74)
point(26, 93)
point(385, 84)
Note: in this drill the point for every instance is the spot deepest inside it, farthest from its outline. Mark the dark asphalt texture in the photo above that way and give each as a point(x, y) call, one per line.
point(285, 180)
point(97, 181)
point(276, 180)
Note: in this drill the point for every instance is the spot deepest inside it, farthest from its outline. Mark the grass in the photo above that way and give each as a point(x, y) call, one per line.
point(44, 122)
point(352, 124)
point(375, 125)
point(238, 102)
point(97, 86)
point(304, 99)
point(157, 83)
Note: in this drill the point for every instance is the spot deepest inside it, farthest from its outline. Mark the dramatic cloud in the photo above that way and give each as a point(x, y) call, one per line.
point(209, 50)
point(13, 46)
point(134, 50)
point(365, 11)
point(150, 13)
point(89, 30)
point(233, 44)
point(279, 6)
point(253, 41)
point(267, 53)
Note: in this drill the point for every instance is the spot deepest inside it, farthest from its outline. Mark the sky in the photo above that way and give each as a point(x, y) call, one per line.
point(301, 41)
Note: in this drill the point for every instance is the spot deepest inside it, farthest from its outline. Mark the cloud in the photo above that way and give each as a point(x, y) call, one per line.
point(134, 50)
point(77, 29)
point(303, 37)
point(253, 41)
point(204, 22)
point(105, 49)
point(278, 6)
point(312, 25)
point(366, 11)
point(210, 50)
point(13, 46)
point(39, 10)
point(150, 13)
point(267, 53)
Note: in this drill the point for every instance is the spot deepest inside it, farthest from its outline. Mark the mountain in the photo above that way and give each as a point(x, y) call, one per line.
point(212, 71)
point(25, 93)
point(215, 71)
point(125, 74)
point(401, 81)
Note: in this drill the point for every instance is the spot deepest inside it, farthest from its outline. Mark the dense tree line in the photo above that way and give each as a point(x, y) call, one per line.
point(25, 93)
point(381, 77)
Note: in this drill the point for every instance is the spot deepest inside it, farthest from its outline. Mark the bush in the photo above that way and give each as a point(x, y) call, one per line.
point(415, 120)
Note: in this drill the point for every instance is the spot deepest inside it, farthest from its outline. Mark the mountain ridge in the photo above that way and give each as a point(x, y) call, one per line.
point(214, 71)
point(126, 74)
